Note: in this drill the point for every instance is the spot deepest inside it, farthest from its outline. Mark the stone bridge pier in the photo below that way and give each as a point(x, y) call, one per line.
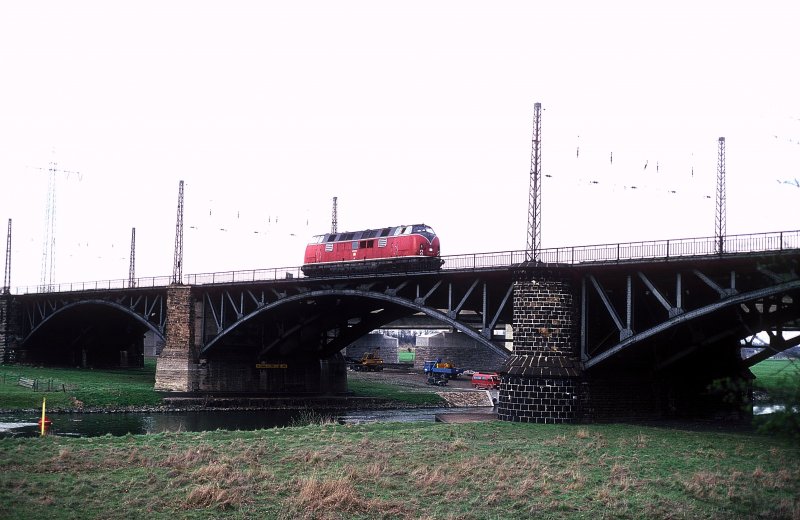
point(10, 325)
point(545, 380)
point(231, 368)
point(541, 379)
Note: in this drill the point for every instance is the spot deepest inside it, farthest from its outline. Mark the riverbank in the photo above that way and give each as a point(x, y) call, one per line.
point(131, 390)
point(404, 471)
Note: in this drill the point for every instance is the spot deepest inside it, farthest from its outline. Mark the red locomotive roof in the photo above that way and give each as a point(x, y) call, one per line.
point(417, 229)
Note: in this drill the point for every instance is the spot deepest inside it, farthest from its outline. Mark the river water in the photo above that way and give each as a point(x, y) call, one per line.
point(96, 424)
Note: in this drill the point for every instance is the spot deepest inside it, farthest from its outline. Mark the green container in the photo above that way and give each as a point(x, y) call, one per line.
point(406, 357)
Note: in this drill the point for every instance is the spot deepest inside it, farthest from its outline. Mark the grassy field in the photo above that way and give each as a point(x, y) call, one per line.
point(115, 389)
point(134, 387)
point(76, 387)
point(776, 374)
point(414, 397)
point(491, 470)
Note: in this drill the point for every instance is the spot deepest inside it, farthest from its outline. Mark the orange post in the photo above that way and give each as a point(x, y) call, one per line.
point(44, 399)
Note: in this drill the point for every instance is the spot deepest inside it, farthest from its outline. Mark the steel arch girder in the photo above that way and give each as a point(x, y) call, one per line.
point(730, 301)
point(107, 303)
point(433, 313)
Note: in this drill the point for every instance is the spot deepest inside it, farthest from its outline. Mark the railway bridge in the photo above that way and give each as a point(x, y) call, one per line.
point(598, 331)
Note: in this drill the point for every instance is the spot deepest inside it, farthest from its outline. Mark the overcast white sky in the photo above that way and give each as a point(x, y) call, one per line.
point(413, 111)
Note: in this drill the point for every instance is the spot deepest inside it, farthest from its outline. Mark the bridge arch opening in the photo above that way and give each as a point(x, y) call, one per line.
point(90, 333)
point(288, 344)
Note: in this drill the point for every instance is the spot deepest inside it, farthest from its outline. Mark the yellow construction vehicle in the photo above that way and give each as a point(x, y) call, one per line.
point(369, 362)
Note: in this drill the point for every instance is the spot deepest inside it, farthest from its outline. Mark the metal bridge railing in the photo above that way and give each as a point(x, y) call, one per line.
point(100, 285)
point(600, 253)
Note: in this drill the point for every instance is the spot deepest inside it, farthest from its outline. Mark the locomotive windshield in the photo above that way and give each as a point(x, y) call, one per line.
point(425, 231)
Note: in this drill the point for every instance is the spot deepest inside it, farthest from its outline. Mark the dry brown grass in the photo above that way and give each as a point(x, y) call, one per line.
point(317, 497)
point(212, 496)
point(193, 456)
point(620, 477)
point(458, 445)
point(704, 484)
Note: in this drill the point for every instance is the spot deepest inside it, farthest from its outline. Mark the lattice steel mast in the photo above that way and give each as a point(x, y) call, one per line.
point(177, 265)
point(535, 199)
point(49, 243)
point(333, 217)
point(720, 217)
point(7, 277)
point(132, 266)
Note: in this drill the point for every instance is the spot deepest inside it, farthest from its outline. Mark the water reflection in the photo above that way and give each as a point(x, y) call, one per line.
point(95, 424)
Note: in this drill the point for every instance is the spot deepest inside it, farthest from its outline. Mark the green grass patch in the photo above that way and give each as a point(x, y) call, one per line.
point(410, 396)
point(405, 471)
point(115, 388)
point(77, 387)
point(776, 374)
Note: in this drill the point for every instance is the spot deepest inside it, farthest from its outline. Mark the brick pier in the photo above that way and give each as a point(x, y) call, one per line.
point(176, 369)
point(540, 381)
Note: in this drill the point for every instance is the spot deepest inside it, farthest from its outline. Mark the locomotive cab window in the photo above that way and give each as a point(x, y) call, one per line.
point(364, 244)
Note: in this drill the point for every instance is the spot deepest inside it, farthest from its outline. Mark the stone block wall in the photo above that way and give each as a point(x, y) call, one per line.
point(540, 381)
point(176, 368)
point(385, 346)
point(10, 328)
point(275, 376)
point(459, 349)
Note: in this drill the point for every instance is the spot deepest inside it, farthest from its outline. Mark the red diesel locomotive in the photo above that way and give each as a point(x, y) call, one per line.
point(398, 249)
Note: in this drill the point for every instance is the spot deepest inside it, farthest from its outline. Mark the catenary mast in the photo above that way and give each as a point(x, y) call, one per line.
point(7, 276)
point(177, 265)
point(333, 217)
point(719, 231)
point(535, 196)
point(132, 266)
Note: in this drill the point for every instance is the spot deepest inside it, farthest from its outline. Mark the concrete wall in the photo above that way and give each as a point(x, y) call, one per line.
point(287, 376)
point(153, 345)
point(385, 346)
point(457, 348)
